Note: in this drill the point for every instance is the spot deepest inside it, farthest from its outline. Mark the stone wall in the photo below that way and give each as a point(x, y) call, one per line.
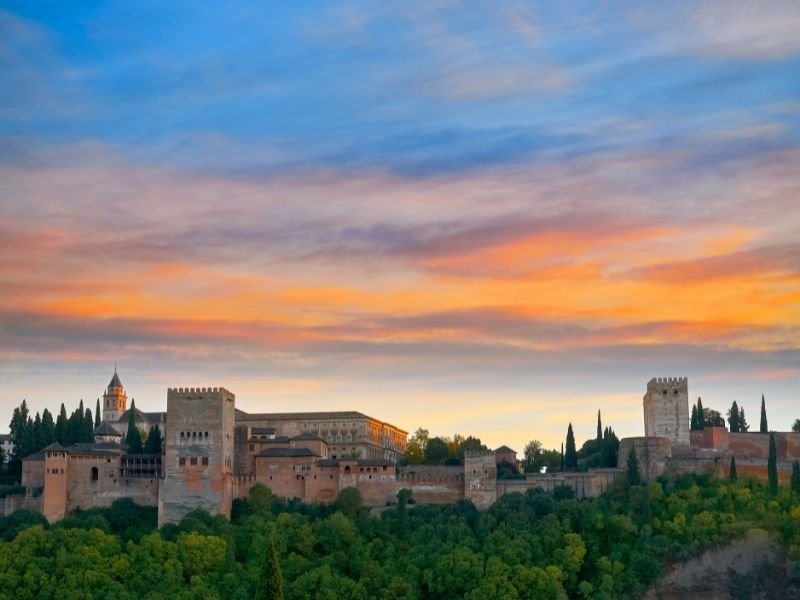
point(480, 478)
point(198, 460)
point(588, 484)
point(666, 409)
point(653, 454)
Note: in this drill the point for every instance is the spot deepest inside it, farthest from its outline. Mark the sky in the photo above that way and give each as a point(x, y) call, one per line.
point(482, 218)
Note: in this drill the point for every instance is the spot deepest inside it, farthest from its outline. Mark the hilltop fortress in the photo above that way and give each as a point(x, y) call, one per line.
point(214, 453)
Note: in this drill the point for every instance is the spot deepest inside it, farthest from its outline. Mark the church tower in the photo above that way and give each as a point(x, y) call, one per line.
point(114, 399)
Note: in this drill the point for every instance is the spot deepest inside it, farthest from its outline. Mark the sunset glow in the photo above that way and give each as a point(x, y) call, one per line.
point(486, 222)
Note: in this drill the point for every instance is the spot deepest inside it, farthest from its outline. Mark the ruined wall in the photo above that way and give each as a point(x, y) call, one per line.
point(666, 409)
point(653, 454)
point(480, 478)
point(198, 460)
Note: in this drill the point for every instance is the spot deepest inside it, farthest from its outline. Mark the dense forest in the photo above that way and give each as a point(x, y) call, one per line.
point(532, 545)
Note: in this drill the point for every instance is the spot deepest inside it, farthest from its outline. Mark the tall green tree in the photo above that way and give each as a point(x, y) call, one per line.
point(61, 425)
point(153, 443)
point(763, 428)
point(772, 466)
point(701, 414)
point(694, 425)
point(795, 481)
point(599, 430)
point(744, 426)
point(21, 427)
point(570, 454)
point(733, 418)
point(88, 426)
point(562, 456)
point(133, 438)
point(732, 474)
point(436, 450)
point(48, 429)
point(531, 453)
point(796, 426)
point(271, 579)
point(633, 472)
point(97, 413)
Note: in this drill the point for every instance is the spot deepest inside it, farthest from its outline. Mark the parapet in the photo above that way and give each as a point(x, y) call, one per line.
point(658, 383)
point(197, 390)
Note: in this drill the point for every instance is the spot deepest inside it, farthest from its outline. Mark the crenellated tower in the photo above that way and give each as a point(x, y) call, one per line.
point(114, 399)
point(666, 409)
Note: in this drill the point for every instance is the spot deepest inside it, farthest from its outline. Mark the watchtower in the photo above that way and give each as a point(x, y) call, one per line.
point(198, 459)
point(666, 409)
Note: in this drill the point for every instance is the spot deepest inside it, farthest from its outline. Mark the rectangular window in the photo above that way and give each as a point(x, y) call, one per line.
point(252, 447)
point(181, 461)
point(205, 461)
point(193, 460)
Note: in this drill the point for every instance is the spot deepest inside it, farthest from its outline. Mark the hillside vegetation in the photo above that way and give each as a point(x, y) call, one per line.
point(529, 545)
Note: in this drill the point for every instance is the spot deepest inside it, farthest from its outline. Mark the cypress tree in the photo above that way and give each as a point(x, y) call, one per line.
point(88, 426)
point(571, 456)
point(733, 418)
point(61, 425)
point(772, 466)
point(599, 432)
point(153, 443)
point(272, 582)
point(795, 477)
point(562, 456)
point(732, 475)
point(701, 415)
point(48, 428)
point(694, 425)
point(763, 428)
point(133, 439)
point(634, 475)
point(97, 414)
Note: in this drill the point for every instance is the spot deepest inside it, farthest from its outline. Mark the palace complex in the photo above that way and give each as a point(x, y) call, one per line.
point(213, 453)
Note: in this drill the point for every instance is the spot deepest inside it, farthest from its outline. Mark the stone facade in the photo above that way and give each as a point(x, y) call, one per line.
point(666, 409)
point(198, 457)
point(663, 450)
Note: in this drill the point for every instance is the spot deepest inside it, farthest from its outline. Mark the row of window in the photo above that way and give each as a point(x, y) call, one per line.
point(193, 461)
point(55, 471)
point(194, 434)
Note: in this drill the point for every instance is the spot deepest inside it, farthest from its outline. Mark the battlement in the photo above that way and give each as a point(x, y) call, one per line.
point(658, 383)
point(479, 454)
point(198, 390)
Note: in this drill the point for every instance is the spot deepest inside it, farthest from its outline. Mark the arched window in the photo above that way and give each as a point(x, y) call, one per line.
point(95, 474)
point(347, 469)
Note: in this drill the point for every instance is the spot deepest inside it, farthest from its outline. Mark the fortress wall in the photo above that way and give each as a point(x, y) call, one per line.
point(198, 459)
point(653, 454)
point(747, 445)
point(589, 484)
point(480, 478)
point(10, 504)
point(710, 437)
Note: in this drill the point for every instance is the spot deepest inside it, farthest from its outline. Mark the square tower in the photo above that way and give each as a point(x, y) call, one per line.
point(198, 459)
point(666, 409)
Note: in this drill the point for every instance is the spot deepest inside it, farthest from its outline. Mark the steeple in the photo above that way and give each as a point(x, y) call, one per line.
point(114, 399)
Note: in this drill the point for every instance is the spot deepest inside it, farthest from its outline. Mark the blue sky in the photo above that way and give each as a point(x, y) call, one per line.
point(394, 206)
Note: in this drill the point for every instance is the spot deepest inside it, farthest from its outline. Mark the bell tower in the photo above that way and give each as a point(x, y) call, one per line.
point(114, 399)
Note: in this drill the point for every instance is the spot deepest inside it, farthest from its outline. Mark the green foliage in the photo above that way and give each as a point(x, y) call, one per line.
point(796, 426)
point(436, 450)
point(97, 419)
point(694, 421)
point(701, 414)
point(763, 427)
point(633, 473)
point(272, 583)
point(733, 418)
point(133, 439)
point(570, 456)
point(732, 474)
point(795, 481)
point(772, 466)
point(531, 545)
point(349, 502)
point(153, 443)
